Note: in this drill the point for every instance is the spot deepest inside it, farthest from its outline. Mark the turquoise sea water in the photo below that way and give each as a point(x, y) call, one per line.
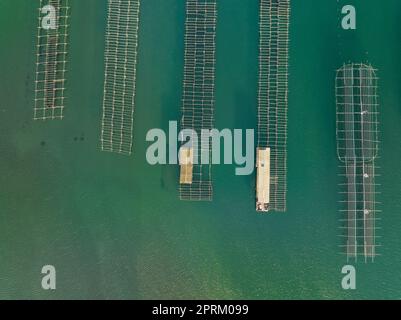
point(113, 226)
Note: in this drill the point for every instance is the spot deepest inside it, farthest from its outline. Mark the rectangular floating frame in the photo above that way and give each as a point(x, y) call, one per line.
point(357, 148)
point(186, 165)
point(273, 95)
point(51, 60)
point(120, 76)
point(198, 91)
point(262, 179)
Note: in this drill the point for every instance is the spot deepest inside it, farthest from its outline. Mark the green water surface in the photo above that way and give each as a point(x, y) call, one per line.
point(113, 225)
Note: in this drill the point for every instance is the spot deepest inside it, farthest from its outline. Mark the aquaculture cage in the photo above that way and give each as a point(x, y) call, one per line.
point(357, 148)
point(198, 94)
point(273, 99)
point(120, 76)
point(51, 60)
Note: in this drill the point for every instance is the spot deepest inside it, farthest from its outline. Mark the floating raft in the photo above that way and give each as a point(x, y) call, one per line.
point(187, 165)
point(273, 96)
point(263, 179)
point(120, 76)
point(357, 148)
point(198, 91)
point(51, 60)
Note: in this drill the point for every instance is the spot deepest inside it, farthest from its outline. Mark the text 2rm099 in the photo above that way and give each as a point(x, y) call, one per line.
point(222, 309)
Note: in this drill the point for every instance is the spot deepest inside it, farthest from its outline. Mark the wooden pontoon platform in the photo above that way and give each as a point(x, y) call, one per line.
point(187, 165)
point(262, 179)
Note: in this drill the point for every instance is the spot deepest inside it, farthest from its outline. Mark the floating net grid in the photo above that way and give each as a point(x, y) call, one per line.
point(120, 76)
point(198, 90)
point(273, 94)
point(51, 60)
point(357, 148)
